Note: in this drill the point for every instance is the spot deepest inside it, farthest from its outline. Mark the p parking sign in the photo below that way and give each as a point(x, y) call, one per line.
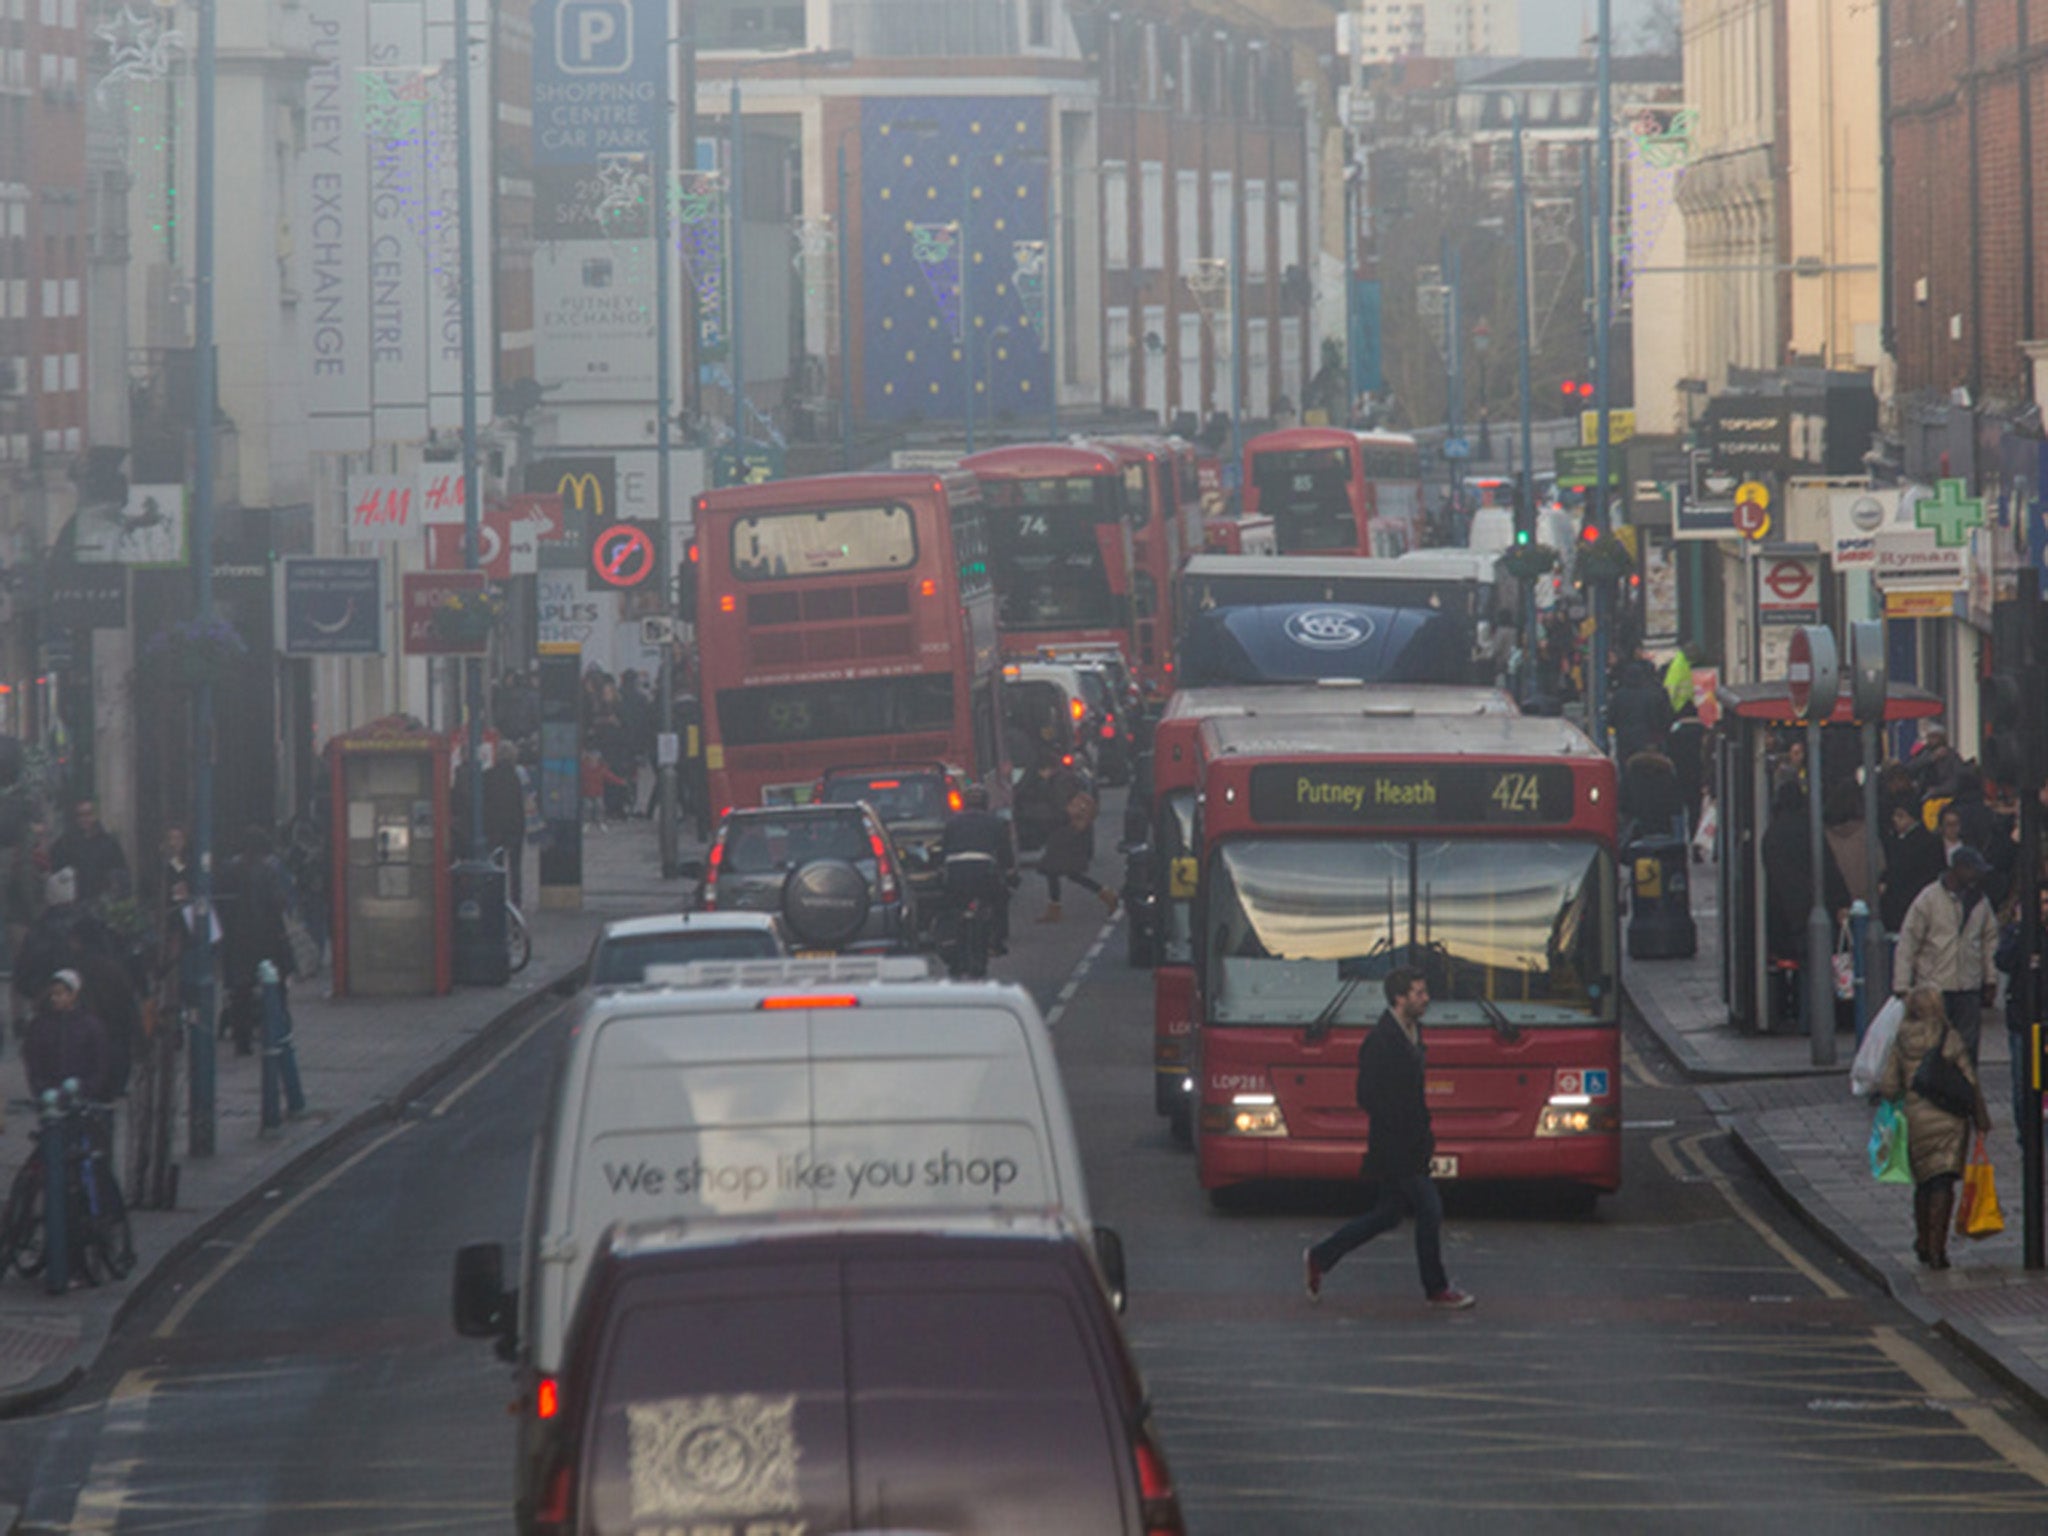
point(594, 37)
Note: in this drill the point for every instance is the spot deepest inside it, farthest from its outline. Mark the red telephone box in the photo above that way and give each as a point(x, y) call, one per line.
point(392, 853)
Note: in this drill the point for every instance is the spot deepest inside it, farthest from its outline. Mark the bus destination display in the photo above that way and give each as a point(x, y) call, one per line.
point(1412, 794)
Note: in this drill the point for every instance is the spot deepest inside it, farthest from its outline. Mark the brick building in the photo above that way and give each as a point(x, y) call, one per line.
point(1968, 101)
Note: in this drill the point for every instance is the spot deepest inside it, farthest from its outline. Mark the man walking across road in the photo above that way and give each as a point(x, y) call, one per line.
point(1398, 1147)
point(1949, 941)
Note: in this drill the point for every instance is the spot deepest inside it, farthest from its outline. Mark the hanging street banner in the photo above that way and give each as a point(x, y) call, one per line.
point(331, 234)
point(397, 90)
point(699, 215)
point(1027, 277)
point(333, 607)
point(936, 250)
point(423, 594)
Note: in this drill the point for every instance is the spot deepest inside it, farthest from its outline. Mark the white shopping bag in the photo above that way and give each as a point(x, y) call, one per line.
point(1876, 1046)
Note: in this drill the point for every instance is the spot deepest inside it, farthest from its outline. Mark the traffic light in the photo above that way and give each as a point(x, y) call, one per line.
point(1573, 391)
point(1590, 533)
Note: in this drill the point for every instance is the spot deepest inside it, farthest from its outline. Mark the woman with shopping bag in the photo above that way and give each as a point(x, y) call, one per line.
point(1929, 1067)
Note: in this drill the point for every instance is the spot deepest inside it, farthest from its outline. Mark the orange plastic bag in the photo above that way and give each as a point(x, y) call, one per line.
point(1977, 1212)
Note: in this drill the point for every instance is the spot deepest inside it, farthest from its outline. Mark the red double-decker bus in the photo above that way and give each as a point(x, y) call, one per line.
point(1060, 525)
point(1160, 914)
point(1158, 546)
point(844, 619)
point(1333, 491)
point(1479, 851)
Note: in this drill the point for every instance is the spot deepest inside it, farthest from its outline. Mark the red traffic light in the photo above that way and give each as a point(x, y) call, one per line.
point(1586, 391)
point(1569, 388)
point(1590, 534)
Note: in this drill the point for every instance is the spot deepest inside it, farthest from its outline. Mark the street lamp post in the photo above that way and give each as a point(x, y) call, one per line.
point(1603, 327)
point(1482, 344)
point(664, 432)
point(199, 952)
point(842, 238)
point(735, 235)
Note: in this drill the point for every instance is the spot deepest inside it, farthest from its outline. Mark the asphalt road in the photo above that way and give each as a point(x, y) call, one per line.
point(1683, 1360)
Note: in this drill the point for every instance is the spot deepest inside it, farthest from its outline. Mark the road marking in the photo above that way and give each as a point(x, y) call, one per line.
point(175, 1318)
point(1079, 974)
point(1763, 1229)
point(105, 1494)
point(547, 1016)
point(1635, 1072)
point(1661, 1148)
point(1987, 1424)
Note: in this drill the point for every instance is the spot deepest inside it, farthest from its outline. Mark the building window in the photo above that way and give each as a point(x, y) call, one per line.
point(1116, 355)
point(53, 373)
point(1258, 395)
point(1290, 357)
point(1187, 218)
point(1191, 364)
point(71, 371)
point(1038, 24)
point(1222, 209)
point(1152, 214)
point(1154, 343)
point(70, 297)
point(1254, 229)
point(1116, 216)
point(1290, 225)
point(52, 298)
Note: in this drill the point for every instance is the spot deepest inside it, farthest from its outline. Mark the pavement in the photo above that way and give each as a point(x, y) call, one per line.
point(362, 1062)
point(1807, 1135)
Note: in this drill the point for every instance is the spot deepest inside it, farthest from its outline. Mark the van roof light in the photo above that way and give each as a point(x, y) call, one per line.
point(780, 1004)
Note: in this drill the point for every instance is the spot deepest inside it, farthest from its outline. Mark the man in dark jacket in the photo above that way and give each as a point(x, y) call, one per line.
point(94, 853)
point(64, 1043)
point(1398, 1147)
point(981, 861)
point(505, 816)
point(1913, 860)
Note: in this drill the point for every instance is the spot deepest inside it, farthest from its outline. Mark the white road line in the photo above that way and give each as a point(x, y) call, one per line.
point(1073, 982)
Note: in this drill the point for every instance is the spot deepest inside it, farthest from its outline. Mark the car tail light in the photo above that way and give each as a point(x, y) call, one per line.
point(953, 800)
point(885, 866)
point(547, 1398)
point(1109, 728)
point(555, 1511)
point(1159, 1508)
point(780, 1004)
point(929, 587)
point(1078, 708)
point(728, 603)
point(882, 784)
point(711, 873)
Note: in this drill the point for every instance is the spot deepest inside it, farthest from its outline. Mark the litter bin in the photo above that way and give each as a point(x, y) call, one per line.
point(1660, 925)
point(480, 958)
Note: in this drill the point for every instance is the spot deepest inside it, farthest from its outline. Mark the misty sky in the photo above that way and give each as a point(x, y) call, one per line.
point(1553, 27)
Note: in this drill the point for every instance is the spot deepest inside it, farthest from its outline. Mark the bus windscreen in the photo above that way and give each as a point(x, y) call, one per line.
point(829, 711)
point(1307, 493)
point(1507, 933)
point(1049, 567)
point(833, 541)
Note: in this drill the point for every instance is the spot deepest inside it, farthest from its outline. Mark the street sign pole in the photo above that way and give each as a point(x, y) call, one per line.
point(1870, 684)
point(664, 432)
point(1813, 681)
point(2027, 977)
point(1603, 373)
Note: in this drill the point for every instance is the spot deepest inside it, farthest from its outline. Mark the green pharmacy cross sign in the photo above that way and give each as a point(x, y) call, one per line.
point(1949, 513)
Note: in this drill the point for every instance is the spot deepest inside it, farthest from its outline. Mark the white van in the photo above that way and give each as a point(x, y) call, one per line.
point(757, 1089)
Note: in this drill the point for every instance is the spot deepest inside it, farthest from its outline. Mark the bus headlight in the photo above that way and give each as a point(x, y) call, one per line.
point(1247, 1114)
point(1572, 1115)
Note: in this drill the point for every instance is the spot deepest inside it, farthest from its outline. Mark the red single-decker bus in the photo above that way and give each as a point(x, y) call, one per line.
point(1478, 851)
point(1332, 491)
point(843, 619)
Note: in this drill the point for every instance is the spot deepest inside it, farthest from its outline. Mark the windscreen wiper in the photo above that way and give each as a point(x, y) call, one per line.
point(1509, 1033)
point(1320, 1026)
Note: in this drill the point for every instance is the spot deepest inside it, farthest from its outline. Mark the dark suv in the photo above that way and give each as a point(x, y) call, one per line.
point(829, 870)
point(913, 800)
point(970, 1379)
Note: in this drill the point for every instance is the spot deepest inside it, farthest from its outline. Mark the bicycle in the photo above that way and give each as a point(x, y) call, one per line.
point(97, 1233)
point(518, 939)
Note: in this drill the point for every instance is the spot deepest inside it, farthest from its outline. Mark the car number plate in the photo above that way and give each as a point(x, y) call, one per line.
point(1443, 1167)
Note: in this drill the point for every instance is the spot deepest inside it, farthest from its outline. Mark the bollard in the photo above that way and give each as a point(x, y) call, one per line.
point(1859, 934)
point(56, 1240)
point(280, 1059)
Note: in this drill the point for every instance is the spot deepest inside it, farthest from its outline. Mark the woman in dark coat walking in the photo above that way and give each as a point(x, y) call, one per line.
point(252, 931)
point(1069, 853)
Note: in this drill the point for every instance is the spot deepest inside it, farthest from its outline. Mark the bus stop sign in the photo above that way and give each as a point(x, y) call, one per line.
point(1812, 676)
